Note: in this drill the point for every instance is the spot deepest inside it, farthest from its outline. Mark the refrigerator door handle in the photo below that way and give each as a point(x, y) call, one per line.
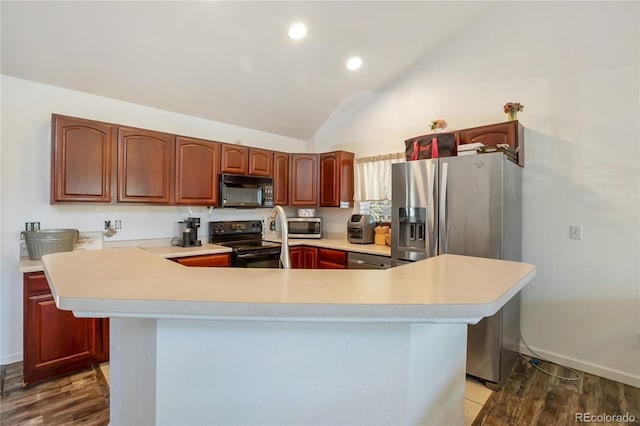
point(443, 211)
point(431, 226)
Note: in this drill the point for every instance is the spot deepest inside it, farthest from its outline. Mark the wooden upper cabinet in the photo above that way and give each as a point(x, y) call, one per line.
point(145, 166)
point(303, 180)
point(234, 159)
point(509, 132)
point(280, 178)
point(197, 172)
point(336, 179)
point(260, 162)
point(81, 160)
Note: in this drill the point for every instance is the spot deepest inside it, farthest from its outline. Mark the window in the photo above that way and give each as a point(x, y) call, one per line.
point(372, 191)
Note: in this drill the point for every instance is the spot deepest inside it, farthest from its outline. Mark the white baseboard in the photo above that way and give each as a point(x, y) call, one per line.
point(588, 367)
point(11, 359)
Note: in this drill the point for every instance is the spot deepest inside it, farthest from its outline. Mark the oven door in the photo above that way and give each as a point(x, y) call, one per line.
point(257, 258)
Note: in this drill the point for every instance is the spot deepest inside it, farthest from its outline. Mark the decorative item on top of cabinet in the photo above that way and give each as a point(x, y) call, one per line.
point(55, 341)
point(197, 172)
point(205, 260)
point(509, 132)
point(304, 180)
point(81, 160)
point(332, 259)
point(145, 166)
point(280, 178)
point(336, 179)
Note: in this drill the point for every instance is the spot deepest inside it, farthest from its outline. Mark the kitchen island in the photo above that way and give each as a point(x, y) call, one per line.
point(271, 346)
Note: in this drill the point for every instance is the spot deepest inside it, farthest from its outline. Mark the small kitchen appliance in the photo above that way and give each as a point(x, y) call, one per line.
point(305, 227)
point(245, 238)
point(190, 232)
point(361, 229)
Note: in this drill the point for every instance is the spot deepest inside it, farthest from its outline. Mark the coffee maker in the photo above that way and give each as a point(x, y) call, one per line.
point(190, 232)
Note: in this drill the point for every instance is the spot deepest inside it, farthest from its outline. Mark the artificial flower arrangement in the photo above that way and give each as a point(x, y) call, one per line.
point(438, 124)
point(513, 107)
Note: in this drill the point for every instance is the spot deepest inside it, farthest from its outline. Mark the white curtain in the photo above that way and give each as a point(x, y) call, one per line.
point(372, 177)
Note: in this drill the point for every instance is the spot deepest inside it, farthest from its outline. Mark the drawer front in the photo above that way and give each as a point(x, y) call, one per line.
point(36, 283)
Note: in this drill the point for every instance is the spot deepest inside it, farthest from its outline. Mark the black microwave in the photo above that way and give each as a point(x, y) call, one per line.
point(245, 191)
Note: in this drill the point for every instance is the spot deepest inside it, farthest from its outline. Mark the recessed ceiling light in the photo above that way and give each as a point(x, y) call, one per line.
point(297, 30)
point(354, 63)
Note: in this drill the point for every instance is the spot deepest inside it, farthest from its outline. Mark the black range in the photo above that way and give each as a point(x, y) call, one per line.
point(245, 238)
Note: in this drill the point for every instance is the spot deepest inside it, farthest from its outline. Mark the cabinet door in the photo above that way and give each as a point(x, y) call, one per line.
point(208, 260)
point(295, 253)
point(280, 178)
point(82, 160)
point(336, 179)
point(260, 162)
point(145, 166)
point(197, 172)
point(55, 341)
point(510, 133)
point(304, 180)
point(310, 257)
point(332, 259)
point(234, 159)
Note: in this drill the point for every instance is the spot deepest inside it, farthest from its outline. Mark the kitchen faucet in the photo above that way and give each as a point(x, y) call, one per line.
point(278, 213)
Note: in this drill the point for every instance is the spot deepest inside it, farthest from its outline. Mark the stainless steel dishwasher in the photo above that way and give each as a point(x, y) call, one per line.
point(367, 261)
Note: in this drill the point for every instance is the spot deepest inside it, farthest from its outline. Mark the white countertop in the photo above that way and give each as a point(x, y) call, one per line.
point(168, 251)
point(131, 282)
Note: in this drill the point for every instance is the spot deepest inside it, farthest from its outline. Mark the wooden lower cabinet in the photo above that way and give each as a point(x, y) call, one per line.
point(332, 259)
point(304, 257)
point(55, 341)
point(207, 260)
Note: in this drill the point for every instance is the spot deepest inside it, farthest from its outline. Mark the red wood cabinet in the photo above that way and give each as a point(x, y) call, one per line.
point(336, 179)
point(55, 341)
point(260, 162)
point(81, 160)
point(207, 260)
point(197, 172)
point(332, 259)
point(145, 166)
point(304, 180)
point(509, 132)
point(234, 159)
point(304, 257)
point(280, 178)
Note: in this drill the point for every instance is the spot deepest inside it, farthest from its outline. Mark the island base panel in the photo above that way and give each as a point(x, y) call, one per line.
point(252, 372)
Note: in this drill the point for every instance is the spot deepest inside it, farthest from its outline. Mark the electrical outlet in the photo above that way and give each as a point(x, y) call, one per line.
point(575, 232)
point(118, 225)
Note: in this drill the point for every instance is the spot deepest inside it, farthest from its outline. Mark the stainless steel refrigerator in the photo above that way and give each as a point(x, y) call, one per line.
point(469, 205)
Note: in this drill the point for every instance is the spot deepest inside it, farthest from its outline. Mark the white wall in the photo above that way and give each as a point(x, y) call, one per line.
point(575, 68)
point(25, 151)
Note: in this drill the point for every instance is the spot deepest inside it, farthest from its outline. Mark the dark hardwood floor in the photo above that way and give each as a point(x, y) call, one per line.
point(529, 397)
point(80, 398)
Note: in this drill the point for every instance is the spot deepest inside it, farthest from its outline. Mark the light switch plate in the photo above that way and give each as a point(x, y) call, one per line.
point(575, 232)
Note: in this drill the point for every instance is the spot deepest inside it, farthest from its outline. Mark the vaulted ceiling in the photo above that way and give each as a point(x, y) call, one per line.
point(228, 61)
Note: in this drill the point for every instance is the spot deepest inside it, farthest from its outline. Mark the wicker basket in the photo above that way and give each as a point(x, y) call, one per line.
point(48, 241)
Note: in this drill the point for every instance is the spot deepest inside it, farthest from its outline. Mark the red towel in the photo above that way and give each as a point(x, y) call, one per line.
point(434, 147)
